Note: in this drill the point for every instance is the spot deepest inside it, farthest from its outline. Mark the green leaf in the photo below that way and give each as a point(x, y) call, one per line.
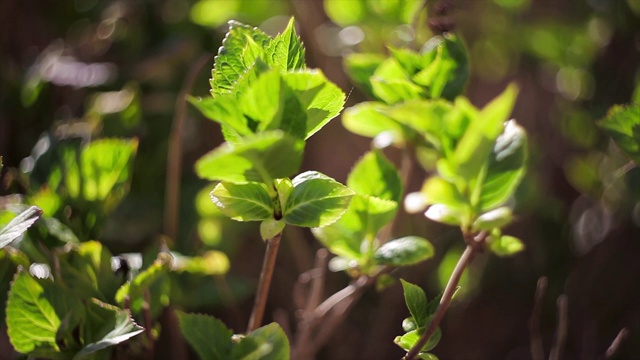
point(425, 117)
point(496, 218)
point(243, 202)
point(472, 152)
point(35, 311)
point(505, 245)
point(369, 119)
point(416, 301)
point(623, 125)
point(447, 215)
point(19, 225)
point(270, 228)
point(225, 110)
point(408, 340)
point(285, 51)
point(107, 326)
point(391, 84)
point(507, 166)
point(320, 98)
point(445, 67)
point(208, 336)
point(405, 251)
point(266, 343)
point(345, 13)
point(374, 175)
point(437, 190)
point(361, 67)
point(133, 291)
point(258, 158)
point(240, 49)
point(209, 263)
point(316, 200)
point(341, 238)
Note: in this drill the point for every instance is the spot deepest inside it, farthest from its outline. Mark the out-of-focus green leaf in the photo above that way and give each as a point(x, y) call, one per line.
point(266, 343)
point(133, 291)
point(374, 175)
point(341, 238)
point(408, 340)
point(316, 200)
point(472, 152)
point(107, 326)
point(244, 201)
point(425, 117)
point(345, 12)
point(360, 68)
point(447, 215)
point(507, 166)
point(405, 251)
point(444, 70)
point(437, 190)
point(369, 119)
point(285, 51)
point(210, 263)
point(270, 228)
point(16, 227)
point(391, 83)
point(259, 158)
point(208, 336)
point(496, 218)
point(240, 49)
point(505, 245)
point(622, 123)
point(416, 301)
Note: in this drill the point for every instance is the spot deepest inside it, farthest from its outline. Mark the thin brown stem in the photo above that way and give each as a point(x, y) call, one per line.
point(266, 275)
point(561, 332)
point(174, 156)
point(445, 301)
point(537, 347)
point(615, 345)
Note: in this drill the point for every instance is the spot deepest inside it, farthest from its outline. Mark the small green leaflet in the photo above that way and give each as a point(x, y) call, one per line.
point(285, 51)
point(244, 201)
point(416, 301)
point(405, 251)
point(623, 125)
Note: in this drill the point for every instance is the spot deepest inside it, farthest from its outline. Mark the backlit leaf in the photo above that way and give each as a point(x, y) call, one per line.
point(244, 201)
point(374, 175)
point(285, 51)
point(416, 301)
point(405, 251)
point(19, 225)
point(208, 336)
point(622, 123)
point(360, 68)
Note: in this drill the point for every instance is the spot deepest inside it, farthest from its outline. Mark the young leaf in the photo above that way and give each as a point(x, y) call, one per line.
point(19, 225)
point(226, 111)
point(445, 214)
point(507, 166)
point(259, 158)
point(240, 48)
point(285, 51)
point(133, 291)
point(437, 190)
point(107, 325)
point(374, 175)
point(316, 200)
point(391, 84)
point(416, 301)
point(506, 245)
point(623, 125)
point(425, 117)
point(472, 152)
point(243, 202)
point(369, 119)
point(496, 218)
point(360, 68)
point(266, 343)
point(208, 336)
point(405, 251)
point(408, 340)
point(270, 228)
point(341, 238)
point(444, 67)
point(35, 311)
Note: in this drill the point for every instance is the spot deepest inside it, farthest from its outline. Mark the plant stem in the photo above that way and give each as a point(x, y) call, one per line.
point(449, 290)
point(265, 282)
point(537, 348)
point(615, 345)
point(561, 331)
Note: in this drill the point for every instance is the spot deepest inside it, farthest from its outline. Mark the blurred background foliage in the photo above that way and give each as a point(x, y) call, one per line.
point(114, 68)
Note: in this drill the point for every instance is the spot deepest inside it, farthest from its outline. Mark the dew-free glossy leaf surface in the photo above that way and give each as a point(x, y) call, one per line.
point(405, 251)
point(316, 200)
point(244, 201)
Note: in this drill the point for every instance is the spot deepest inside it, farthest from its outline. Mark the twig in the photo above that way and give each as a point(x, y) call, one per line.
point(174, 156)
point(447, 295)
point(615, 345)
point(561, 332)
point(265, 282)
point(537, 347)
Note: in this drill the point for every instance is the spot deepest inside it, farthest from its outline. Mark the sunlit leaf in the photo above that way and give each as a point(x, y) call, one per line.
point(505, 245)
point(405, 251)
point(266, 343)
point(133, 291)
point(16, 227)
point(285, 51)
point(107, 326)
point(622, 123)
point(437, 190)
point(496, 218)
point(416, 301)
point(391, 84)
point(374, 175)
point(369, 119)
point(208, 336)
point(444, 70)
point(259, 158)
point(225, 110)
point(408, 340)
point(316, 200)
point(360, 68)
point(447, 215)
point(244, 201)
point(212, 262)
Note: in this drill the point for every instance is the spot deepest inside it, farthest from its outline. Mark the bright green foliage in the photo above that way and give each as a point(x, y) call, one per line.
point(504, 245)
point(132, 292)
point(375, 176)
point(211, 340)
point(19, 225)
point(361, 67)
point(244, 201)
point(259, 158)
point(623, 125)
point(316, 200)
point(421, 312)
point(405, 251)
